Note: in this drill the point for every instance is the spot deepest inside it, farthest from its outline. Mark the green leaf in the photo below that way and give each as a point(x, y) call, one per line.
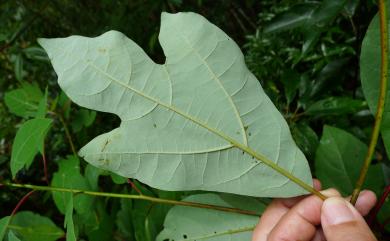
point(12, 237)
point(306, 15)
point(36, 53)
point(28, 142)
point(92, 174)
point(18, 67)
point(104, 232)
point(147, 218)
point(336, 106)
point(68, 222)
point(383, 214)
point(24, 101)
point(296, 16)
point(83, 118)
point(339, 158)
point(34, 227)
point(186, 223)
point(4, 222)
point(306, 138)
point(290, 80)
point(124, 220)
point(185, 123)
point(68, 176)
point(370, 62)
point(42, 106)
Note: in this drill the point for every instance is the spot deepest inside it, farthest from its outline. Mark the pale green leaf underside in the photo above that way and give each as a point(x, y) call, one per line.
point(189, 224)
point(181, 121)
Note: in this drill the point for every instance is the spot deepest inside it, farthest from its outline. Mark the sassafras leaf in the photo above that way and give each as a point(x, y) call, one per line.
point(185, 123)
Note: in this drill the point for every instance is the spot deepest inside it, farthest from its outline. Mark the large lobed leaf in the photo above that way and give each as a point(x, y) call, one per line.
point(181, 122)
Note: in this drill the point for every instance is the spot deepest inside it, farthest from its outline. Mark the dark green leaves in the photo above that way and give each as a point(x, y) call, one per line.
point(306, 15)
point(24, 101)
point(370, 62)
point(28, 142)
point(4, 221)
point(336, 106)
point(68, 176)
point(338, 161)
point(68, 223)
point(29, 226)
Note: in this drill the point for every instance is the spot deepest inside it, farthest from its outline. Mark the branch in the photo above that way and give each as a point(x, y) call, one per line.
point(381, 101)
point(68, 135)
point(136, 197)
point(378, 206)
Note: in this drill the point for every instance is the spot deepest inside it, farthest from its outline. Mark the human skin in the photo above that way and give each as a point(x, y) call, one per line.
point(310, 218)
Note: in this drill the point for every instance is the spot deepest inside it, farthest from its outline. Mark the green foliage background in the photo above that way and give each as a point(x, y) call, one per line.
point(306, 55)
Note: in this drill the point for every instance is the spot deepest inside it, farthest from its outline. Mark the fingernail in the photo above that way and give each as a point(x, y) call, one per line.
point(336, 210)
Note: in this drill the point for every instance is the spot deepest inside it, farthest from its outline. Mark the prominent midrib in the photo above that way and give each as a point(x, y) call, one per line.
point(215, 77)
point(245, 148)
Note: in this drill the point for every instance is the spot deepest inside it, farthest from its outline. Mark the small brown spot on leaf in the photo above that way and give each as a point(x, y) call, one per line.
point(102, 50)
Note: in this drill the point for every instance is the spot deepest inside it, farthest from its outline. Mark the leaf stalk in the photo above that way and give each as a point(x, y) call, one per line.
point(381, 101)
point(135, 197)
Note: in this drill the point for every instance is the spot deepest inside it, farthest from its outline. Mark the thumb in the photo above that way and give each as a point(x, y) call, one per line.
point(341, 221)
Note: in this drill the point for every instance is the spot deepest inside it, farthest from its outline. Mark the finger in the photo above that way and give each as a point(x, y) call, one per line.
point(290, 202)
point(365, 202)
point(269, 219)
point(274, 212)
point(341, 221)
point(301, 221)
point(319, 236)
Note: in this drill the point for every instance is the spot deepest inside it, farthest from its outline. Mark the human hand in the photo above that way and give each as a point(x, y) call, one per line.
point(310, 218)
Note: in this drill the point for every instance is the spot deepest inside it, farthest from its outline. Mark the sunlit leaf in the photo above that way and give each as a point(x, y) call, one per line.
point(184, 123)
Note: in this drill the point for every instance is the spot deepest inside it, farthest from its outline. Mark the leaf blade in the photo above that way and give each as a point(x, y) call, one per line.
point(28, 142)
point(183, 223)
point(170, 119)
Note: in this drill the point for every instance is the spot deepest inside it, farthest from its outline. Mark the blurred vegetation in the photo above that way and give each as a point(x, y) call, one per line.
point(305, 54)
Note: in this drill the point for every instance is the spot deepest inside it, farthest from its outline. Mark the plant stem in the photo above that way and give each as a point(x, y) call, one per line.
point(133, 186)
point(381, 101)
point(45, 164)
point(23, 200)
point(378, 206)
point(67, 133)
point(137, 197)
